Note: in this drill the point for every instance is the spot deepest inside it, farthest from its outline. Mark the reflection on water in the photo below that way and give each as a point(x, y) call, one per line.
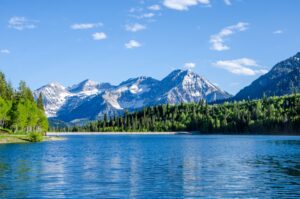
point(165, 166)
point(287, 142)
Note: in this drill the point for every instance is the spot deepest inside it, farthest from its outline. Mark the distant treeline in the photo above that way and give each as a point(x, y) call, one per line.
point(267, 115)
point(19, 112)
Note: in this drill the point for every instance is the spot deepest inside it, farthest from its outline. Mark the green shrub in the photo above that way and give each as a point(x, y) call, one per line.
point(35, 137)
point(4, 130)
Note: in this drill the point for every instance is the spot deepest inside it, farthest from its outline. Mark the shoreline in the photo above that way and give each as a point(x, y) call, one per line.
point(23, 139)
point(116, 133)
point(57, 134)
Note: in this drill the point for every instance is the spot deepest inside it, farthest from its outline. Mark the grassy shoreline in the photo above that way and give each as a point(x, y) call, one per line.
point(10, 139)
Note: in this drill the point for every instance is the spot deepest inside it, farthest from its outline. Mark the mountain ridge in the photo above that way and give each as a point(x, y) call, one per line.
point(282, 79)
point(89, 100)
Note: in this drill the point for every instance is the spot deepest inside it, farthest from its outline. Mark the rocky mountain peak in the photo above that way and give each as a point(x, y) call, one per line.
point(86, 85)
point(89, 100)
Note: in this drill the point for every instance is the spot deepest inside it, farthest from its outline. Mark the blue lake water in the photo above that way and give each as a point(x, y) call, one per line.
point(153, 166)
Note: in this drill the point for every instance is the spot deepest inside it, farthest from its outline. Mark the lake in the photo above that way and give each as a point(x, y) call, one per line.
point(153, 166)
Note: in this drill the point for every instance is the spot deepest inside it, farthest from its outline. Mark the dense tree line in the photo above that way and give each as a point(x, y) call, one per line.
point(273, 115)
point(19, 112)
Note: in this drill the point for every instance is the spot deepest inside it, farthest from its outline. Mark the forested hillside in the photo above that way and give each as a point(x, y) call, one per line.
point(19, 112)
point(268, 115)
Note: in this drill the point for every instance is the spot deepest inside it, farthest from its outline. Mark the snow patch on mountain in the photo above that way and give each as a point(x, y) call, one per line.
point(54, 95)
point(112, 99)
point(92, 100)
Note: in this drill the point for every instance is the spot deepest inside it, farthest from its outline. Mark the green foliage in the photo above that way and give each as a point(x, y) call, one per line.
point(5, 106)
point(40, 103)
point(273, 114)
point(4, 130)
point(6, 91)
point(35, 137)
point(18, 110)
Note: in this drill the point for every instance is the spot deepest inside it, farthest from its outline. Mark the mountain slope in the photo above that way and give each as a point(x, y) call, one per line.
point(89, 87)
point(187, 86)
point(54, 95)
point(282, 79)
point(89, 100)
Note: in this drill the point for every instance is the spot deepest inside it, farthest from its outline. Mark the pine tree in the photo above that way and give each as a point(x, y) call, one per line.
point(40, 103)
point(266, 115)
point(4, 109)
point(105, 121)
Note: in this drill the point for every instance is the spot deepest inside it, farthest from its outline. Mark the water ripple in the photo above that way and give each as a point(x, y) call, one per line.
point(165, 166)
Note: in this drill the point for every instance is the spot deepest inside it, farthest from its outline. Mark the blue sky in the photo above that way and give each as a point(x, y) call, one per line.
point(230, 42)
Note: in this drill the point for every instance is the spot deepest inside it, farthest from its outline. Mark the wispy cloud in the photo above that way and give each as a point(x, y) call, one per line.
point(227, 2)
point(135, 27)
point(241, 66)
point(147, 15)
point(132, 44)
point(99, 36)
point(189, 65)
point(218, 41)
point(278, 32)
point(4, 51)
point(21, 23)
point(83, 26)
point(155, 7)
point(184, 4)
point(135, 10)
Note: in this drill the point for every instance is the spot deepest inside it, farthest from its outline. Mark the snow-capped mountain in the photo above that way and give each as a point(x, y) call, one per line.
point(89, 100)
point(89, 87)
point(55, 96)
point(187, 86)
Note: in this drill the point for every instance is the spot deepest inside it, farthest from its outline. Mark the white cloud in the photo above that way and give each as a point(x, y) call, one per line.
point(21, 23)
point(135, 27)
point(154, 7)
point(83, 26)
point(227, 2)
point(189, 65)
point(141, 13)
point(132, 44)
point(144, 15)
point(147, 15)
point(135, 10)
point(277, 32)
point(5, 51)
point(241, 66)
point(99, 36)
point(184, 4)
point(217, 40)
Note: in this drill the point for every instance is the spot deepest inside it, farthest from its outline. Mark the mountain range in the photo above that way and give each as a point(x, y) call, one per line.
point(89, 100)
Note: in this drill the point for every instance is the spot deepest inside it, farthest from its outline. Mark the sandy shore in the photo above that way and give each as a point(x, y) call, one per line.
point(114, 133)
point(9, 139)
point(53, 138)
